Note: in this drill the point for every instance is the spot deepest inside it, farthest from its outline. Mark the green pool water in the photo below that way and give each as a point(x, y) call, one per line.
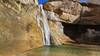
point(65, 50)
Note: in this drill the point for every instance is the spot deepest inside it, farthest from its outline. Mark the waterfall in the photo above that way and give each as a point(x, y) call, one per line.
point(45, 27)
point(43, 23)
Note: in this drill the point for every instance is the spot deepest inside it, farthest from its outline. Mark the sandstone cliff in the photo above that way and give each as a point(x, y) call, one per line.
point(18, 31)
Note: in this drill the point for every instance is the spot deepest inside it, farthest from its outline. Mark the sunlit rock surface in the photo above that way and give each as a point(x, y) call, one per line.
point(74, 12)
point(58, 37)
point(68, 11)
point(18, 31)
point(56, 28)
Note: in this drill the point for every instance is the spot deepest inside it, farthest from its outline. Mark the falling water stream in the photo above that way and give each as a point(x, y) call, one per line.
point(45, 26)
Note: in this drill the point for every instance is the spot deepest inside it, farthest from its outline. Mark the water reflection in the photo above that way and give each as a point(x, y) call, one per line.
point(46, 51)
point(64, 51)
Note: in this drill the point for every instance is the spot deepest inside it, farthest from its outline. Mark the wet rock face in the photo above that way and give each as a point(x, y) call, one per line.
point(18, 33)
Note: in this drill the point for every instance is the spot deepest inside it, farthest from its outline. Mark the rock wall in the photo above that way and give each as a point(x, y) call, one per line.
point(18, 31)
point(68, 11)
